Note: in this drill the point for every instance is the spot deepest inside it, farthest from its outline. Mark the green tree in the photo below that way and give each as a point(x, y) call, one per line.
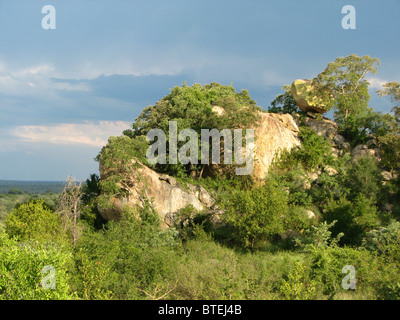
point(391, 89)
point(364, 176)
point(354, 219)
point(90, 192)
point(34, 220)
point(32, 270)
point(390, 142)
point(358, 129)
point(284, 102)
point(118, 162)
point(191, 107)
point(342, 84)
point(314, 152)
point(257, 214)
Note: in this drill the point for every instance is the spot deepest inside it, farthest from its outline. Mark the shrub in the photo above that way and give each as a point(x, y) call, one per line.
point(389, 291)
point(329, 188)
point(327, 264)
point(297, 220)
point(191, 107)
point(23, 274)
point(283, 103)
point(257, 214)
point(353, 219)
point(314, 152)
point(295, 181)
point(125, 260)
point(384, 240)
point(298, 285)
point(318, 236)
point(117, 161)
point(191, 224)
point(364, 177)
point(34, 220)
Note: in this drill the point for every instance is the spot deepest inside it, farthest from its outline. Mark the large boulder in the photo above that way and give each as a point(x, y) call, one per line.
point(362, 150)
point(302, 92)
point(323, 127)
point(164, 193)
point(275, 133)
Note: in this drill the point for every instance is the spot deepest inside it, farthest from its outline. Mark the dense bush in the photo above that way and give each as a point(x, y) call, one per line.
point(354, 219)
point(124, 261)
point(298, 285)
point(364, 177)
point(284, 103)
point(119, 159)
point(257, 214)
point(327, 265)
point(27, 270)
point(191, 108)
point(34, 221)
point(314, 152)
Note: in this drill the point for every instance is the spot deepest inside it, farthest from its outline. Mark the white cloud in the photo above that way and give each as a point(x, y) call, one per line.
point(35, 80)
point(376, 83)
point(91, 134)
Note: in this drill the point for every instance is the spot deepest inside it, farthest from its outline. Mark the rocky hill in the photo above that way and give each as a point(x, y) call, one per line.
point(275, 132)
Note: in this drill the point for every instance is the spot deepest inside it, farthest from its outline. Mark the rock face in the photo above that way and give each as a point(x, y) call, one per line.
point(362, 150)
point(167, 196)
point(323, 127)
point(275, 133)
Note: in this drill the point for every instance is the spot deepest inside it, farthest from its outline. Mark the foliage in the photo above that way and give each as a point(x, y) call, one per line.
point(256, 214)
point(295, 182)
point(389, 291)
point(382, 239)
point(390, 146)
point(391, 89)
point(314, 152)
point(297, 220)
point(34, 220)
point(354, 219)
point(284, 103)
point(342, 84)
point(329, 187)
point(90, 193)
point(191, 108)
point(364, 176)
point(209, 271)
point(22, 272)
point(192, 224)
point(358, 129)
point(298, 285)
point(9, 201)
point(318, 236)
point(327, 264)
point(119, 160)
point(120, 261)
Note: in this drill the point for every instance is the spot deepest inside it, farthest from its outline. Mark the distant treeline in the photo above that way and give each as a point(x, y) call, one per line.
point(14, 186)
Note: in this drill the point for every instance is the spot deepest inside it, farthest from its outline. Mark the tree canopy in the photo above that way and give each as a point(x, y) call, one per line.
point(192, 107)
point(343, 85)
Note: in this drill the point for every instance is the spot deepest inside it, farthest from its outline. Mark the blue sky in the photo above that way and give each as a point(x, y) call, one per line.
point(63, 92)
